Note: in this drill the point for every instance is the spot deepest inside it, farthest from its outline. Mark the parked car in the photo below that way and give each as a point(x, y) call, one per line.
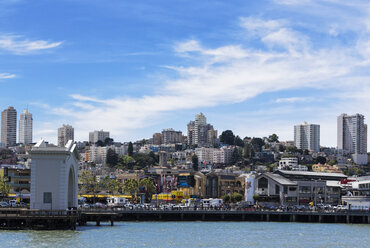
point(4, 204)
point(100, 205)
point(13, 203)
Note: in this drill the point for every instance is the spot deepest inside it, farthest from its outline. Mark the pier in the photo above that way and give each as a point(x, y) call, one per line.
point(24, 219)
point(218, 215)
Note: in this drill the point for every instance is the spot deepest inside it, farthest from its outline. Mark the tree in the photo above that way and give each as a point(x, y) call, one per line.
point(130, 149)
point(111, 185)
point(112, 157)
point(227, 137)
point(4, 187)
point(236, 155)
point(257, 144)
point(238, 141)
point(248, 151)
point(292, 149)
point(108, 141)
point(236, 197)
point(99, 143)
point(131, 186)
point(321, 160)
point(149, 188)
point(195, 161)
point(143, 160)
point(226, 198)
point(89, 184)
point(273, 138)
point(281, 148)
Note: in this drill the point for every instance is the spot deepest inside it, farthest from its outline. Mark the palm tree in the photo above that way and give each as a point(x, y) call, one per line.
point(149, 187)
point(131, 186)
point(89, 184)
point(4, 187)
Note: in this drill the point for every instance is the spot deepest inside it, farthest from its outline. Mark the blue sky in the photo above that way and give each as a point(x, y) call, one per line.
point(136, 67)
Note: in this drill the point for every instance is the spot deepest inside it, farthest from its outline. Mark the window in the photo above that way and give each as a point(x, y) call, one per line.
point(285, 190)
point(47, 197)
point(262, 183)
point(277, 189)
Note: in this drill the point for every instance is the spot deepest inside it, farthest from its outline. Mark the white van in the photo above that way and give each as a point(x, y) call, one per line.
point(115, 202)
point(214, 203)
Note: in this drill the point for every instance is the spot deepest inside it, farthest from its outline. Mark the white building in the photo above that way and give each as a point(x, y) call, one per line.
point(214, 155)
point(54, 173)
point(25, 127)
point(199, 132)
point(307, 137)
point(291, 163)
point(9, 126)
point(352, 137)
point(95, 136)
point(205, 154)
point(65, 133)
point(98, 154)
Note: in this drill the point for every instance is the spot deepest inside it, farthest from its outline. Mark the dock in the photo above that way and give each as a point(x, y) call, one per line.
point(24, 219)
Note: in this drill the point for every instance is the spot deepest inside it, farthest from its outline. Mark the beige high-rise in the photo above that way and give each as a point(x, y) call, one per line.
point(65, 133)
point(9, 126)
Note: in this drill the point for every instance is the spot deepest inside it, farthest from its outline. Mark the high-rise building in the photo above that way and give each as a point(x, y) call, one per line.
point(95, 136)
point(157, 139)
point(9, 126)
point(25, 127)
point(65, 133)
point(352, 137)
point(170, 136)
point(199, 132)
point(307, 137)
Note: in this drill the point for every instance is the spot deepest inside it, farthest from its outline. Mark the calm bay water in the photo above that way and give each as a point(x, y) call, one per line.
point(195, 234)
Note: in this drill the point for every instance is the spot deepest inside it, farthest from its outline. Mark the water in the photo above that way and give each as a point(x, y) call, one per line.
point(195, 234)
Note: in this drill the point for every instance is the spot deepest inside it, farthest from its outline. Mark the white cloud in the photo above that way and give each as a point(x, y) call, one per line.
point(234, 73)
point(7, 75)
point(294, 99)
point(19, 45)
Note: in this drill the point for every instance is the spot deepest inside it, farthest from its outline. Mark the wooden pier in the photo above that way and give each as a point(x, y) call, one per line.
point(216, 215)
point(21, 219)
point(25, 219)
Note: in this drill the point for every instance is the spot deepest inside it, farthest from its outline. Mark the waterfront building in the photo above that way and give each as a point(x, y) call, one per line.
point(25, 127)
point(170, 136)
point(95, 136)
point(54, 176)
point(307, 137)
point(9, 126)
point(352, 137)
point(299, 187)
point(358, 196)
point(65, 133)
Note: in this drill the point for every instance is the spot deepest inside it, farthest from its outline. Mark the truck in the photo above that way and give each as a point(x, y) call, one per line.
point(211, 203)
point(117, 202)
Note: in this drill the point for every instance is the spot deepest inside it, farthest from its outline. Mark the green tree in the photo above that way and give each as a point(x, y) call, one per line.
point(130, 149)
point(236, 155)
point(111, 185)
point(273, 138)
point(131, 186)
point(238, 141)
point(108, 141)
point(321, 160)
point(281, 148)
point(226, 198)
point(227, 137)
point(112, 157)
point(332, 162)
point(143, 160)
point(149, 188)
point(257, 144)
point(292, 149)
point(99, 143)
point(4, 187)
point(248, 151)
point(195, 161)
point(89, 184)
point(236, 197)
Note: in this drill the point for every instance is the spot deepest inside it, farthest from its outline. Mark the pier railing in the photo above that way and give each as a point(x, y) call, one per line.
point(9, 212)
